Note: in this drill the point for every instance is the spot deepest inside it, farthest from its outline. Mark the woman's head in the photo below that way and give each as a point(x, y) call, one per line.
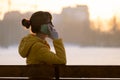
point(37, 19)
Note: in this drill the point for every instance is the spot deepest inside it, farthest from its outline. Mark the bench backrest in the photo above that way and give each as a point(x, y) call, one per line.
point(59, 71)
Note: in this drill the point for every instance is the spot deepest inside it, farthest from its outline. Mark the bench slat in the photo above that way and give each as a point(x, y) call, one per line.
point(26, 71)
point(90, 71)
point(63, 71)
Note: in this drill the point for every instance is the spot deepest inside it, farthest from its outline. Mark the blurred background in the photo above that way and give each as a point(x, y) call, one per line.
point(90, 29)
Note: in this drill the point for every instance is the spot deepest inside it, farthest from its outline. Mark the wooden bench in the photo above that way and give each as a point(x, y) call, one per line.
point(57, 72)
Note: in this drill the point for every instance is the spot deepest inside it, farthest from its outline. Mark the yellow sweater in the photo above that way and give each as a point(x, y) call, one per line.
point(37, 51)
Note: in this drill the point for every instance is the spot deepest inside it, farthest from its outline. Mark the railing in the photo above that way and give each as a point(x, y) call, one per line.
point(57, 72)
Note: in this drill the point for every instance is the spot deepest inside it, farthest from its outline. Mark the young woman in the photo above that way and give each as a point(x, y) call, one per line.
point(35, 48)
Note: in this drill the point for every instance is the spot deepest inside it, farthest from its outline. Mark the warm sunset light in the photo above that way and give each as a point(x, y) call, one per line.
point(102, 9)
point(89, 30)
point(97, 8)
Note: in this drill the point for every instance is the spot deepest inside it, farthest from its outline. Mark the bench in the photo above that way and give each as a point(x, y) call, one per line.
point(57, 72)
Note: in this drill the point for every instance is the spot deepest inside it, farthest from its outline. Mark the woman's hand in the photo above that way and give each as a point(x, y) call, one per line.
point(53, 32)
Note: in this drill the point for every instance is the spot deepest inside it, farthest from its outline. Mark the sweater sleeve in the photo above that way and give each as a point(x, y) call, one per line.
point(59, 49)
point(49, 57)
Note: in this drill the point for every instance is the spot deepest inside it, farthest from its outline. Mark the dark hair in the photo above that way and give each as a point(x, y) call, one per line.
point(26, 23)
point(36, 20)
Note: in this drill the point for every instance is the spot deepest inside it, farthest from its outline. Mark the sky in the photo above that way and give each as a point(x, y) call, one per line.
point(97, 8)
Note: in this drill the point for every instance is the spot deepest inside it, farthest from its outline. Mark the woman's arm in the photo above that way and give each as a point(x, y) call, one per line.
point(46, 56)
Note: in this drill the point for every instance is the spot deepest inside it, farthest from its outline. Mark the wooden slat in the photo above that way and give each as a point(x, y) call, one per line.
point(8, 71)
point(26, 71)
point(90, 71)
point(68, 71)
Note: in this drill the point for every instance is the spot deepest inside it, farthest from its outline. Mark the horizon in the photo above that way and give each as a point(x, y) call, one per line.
point(76, 55)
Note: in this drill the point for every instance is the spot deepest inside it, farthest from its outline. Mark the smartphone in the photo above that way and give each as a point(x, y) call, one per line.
point(44, 29)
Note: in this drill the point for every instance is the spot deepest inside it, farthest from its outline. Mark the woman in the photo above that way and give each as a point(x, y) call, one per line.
point(35, 48)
